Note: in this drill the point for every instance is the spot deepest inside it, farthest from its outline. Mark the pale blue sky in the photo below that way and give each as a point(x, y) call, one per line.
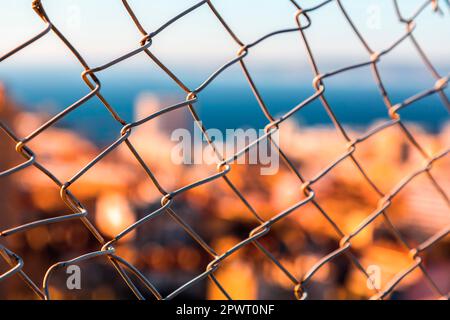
point(102, 31)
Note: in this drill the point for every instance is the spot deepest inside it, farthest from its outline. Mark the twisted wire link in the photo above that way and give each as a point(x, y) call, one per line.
point(303, 18)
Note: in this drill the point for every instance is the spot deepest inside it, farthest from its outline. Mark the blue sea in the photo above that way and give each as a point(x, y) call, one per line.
point(228, 102)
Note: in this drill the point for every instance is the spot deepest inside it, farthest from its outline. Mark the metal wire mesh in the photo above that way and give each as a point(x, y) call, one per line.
point(304, 19)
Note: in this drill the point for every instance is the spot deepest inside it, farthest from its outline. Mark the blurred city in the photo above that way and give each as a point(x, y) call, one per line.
point(117, 193)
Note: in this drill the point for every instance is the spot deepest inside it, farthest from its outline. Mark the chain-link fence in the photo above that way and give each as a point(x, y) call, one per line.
point(304, 17)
